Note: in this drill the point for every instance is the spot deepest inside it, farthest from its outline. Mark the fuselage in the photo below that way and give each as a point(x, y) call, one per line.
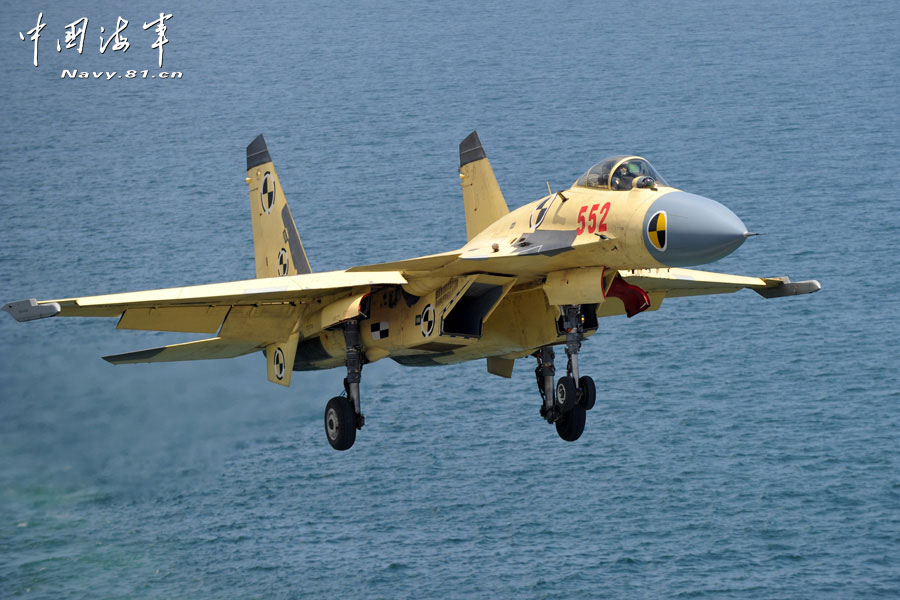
point(563, 248)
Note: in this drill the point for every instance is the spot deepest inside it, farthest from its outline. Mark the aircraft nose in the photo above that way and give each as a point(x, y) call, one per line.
point(683, 230)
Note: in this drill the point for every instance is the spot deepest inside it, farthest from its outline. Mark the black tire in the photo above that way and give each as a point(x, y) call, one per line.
point(340, 423)
point(566, 394)
point(570, 426)
point(587, 392)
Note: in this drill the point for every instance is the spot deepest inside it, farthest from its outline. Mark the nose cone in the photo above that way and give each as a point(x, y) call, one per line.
point(683, 230)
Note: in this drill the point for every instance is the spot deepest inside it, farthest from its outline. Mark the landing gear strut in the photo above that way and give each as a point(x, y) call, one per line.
point(565, 405)
point(342, 414)
point(573, 321)
point(545, 373)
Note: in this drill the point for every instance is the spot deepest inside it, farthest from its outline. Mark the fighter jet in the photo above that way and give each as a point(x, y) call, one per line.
point(617, 241)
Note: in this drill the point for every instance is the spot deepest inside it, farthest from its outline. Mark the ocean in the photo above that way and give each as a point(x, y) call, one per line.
point(740, 447)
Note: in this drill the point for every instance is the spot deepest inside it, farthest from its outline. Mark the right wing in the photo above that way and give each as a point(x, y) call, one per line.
point(199, 308)
point(248, 316)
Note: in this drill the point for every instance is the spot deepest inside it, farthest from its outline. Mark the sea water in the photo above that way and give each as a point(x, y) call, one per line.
point(739, 448)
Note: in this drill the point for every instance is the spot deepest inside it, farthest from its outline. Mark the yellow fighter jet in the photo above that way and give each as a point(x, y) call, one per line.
point(616, 242)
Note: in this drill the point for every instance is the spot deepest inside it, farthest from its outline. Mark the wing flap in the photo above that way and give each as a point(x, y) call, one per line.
point(189, 319)
point(267, 323)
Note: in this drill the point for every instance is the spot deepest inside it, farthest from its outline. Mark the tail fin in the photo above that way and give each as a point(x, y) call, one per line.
point(482, 197)
point(275, 239)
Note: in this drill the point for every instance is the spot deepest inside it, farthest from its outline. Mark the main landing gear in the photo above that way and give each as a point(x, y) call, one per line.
point(573, 395)
point(342, 413)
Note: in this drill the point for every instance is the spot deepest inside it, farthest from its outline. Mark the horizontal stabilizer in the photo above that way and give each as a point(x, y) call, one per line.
point(200, 350)
point(29, 310)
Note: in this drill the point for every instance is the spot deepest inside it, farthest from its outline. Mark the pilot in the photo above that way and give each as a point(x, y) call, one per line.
point(622, 178)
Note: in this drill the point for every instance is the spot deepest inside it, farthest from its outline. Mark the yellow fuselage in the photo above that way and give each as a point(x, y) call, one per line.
point(583, 236)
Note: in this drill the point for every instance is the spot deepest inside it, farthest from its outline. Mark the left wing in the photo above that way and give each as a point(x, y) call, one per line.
point(676, 282)
point(645, 289)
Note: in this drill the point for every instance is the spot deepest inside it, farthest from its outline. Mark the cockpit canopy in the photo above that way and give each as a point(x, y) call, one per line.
point(621, 173)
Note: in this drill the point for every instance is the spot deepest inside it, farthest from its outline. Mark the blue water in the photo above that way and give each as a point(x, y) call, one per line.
point(740, 448)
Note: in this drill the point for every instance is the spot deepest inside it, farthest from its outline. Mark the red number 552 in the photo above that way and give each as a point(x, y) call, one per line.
point(591, 225)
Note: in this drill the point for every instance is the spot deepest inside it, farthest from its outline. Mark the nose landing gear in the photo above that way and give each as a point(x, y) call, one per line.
point(566, 404)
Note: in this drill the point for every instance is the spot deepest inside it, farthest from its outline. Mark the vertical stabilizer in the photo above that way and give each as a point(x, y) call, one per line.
point(276, 242)
point(482, 197)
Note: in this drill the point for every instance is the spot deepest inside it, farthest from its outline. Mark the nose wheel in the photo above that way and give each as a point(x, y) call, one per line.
point(565, 404)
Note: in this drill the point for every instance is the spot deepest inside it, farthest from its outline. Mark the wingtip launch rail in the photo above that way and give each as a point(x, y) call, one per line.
point(31, 310)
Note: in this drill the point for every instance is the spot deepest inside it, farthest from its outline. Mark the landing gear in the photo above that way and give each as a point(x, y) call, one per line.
point(587, 392)
point(566, 394)
point(571, 425)
point(565, 405)
point(342, 414)
point(340, 423)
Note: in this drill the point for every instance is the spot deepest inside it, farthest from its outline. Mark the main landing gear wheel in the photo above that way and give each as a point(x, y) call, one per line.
point(570, 425)
point(566, 395)
point(340, 423)
point(587, 392)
